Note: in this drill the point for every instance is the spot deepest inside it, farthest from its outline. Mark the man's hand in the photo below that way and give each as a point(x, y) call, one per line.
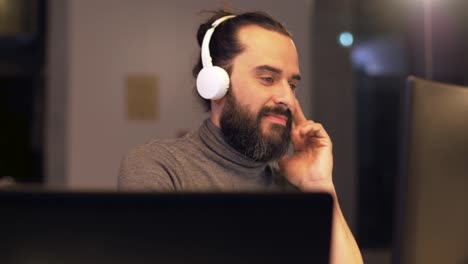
point(310, 167)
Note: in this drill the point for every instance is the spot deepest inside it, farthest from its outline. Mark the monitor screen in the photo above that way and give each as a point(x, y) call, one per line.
point(432, 206)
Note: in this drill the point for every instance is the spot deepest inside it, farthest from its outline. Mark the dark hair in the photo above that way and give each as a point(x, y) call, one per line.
point(224, 44)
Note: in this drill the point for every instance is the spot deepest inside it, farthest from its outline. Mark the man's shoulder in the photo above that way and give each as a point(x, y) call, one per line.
point(157, 147)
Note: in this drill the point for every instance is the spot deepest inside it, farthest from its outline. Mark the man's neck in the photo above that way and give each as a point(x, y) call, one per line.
point(215, 120)
point(215, 115)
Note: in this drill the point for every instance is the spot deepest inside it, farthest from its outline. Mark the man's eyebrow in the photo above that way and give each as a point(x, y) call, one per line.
point(275, 70)
point(268, 68)
point(296, 77)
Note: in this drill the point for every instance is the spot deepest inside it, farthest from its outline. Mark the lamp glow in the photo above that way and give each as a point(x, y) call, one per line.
point(345, 39)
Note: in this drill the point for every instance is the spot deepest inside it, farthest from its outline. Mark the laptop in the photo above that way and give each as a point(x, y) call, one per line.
point(109, 227)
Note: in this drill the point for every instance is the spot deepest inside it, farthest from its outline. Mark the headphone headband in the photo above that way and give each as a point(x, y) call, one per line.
point(221, 20)
point(205, 48)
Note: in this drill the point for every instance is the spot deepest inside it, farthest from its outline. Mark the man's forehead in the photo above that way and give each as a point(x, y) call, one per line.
point(253, 34)
point(267, 47)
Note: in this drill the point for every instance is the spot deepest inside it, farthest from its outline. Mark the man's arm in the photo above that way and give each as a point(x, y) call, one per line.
point(147, 168)
point(344, 248)
point(310, 169)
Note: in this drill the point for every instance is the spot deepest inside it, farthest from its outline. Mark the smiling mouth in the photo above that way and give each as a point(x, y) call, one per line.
point(279, 119)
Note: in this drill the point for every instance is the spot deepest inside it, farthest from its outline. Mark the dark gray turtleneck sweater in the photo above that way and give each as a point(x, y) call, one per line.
point(200, 161)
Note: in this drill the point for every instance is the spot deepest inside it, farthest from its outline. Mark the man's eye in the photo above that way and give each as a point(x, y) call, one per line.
point(267, 79)
point(293, 86)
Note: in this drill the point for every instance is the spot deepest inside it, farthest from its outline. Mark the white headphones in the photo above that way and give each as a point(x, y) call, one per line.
point(212, 81)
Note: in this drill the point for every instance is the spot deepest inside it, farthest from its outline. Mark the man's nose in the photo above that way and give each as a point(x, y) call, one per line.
point(285, 95)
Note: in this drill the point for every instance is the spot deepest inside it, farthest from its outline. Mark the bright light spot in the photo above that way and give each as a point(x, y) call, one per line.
point(346, 39)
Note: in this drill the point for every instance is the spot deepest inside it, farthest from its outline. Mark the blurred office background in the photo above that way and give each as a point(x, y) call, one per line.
point(82, 82)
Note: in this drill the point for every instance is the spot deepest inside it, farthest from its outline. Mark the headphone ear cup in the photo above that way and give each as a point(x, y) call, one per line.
point(212, 82)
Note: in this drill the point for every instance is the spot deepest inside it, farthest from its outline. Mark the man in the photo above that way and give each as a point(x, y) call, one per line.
point(243, 145)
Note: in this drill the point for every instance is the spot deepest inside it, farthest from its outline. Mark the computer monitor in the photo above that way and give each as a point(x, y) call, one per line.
point(432, 206)
point(80, 227)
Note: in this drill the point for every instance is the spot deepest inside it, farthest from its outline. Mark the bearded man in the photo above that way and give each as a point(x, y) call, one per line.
point(243, 145)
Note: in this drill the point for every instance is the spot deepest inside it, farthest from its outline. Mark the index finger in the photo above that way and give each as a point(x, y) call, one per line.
point(298, 115)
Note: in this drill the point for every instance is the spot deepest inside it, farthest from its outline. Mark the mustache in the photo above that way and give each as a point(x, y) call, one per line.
point(276, 110)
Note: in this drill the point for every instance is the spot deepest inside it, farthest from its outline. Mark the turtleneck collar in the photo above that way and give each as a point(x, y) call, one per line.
point(214, 140)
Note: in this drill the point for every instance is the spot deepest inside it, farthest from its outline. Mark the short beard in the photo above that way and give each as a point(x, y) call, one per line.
point(243, 131)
